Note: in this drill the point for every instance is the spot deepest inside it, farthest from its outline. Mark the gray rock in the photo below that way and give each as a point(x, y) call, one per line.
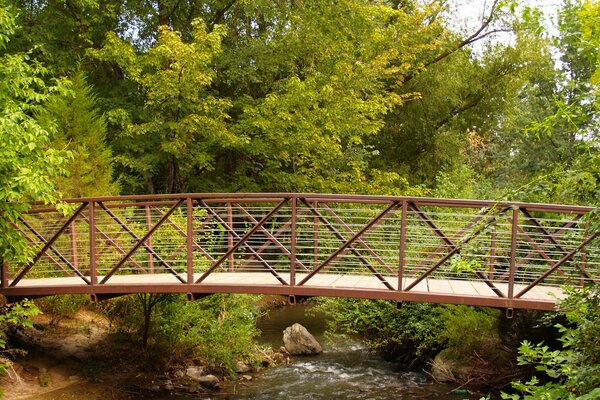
point(298, 341)
point(247, 377)
point(194, 372)
point(241, 367)
point(209, 381)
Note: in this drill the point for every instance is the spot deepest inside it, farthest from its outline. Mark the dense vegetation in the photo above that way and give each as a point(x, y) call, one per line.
point(356, 96)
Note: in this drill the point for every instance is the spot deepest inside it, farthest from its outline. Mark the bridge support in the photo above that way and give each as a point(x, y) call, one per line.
point(293, 299)
point(97, 297)
point(196, 296)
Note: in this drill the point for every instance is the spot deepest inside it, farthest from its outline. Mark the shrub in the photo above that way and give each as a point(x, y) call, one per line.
point(61, 306)
point(217, 330)
point(574, 369)
point(410, 333)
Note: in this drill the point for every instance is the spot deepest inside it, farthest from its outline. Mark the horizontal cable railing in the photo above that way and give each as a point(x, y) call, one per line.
point(401, 244)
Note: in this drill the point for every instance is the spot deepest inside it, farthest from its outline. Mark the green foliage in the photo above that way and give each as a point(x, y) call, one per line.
point(16, 315)
point(219, 329)
point(574, 370)
point(81, 129)
point(179, 124)
point(27, 162)
point(411, 332)
point(469, 330)
point(61, 306)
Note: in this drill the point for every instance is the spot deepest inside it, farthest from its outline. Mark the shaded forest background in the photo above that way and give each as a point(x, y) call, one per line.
point(350, 96)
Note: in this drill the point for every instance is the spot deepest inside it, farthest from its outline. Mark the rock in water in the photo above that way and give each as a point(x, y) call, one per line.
point(298, 341)
point(209, 382)
point(241, 367)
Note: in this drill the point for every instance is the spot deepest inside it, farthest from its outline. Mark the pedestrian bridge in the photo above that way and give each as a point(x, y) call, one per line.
point(484, 253)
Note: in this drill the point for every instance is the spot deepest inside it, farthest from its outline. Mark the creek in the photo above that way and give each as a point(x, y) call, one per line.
point(345, 370)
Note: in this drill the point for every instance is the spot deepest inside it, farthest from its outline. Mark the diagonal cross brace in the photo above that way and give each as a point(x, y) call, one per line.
point(527, 257)
point(255, 253)
point(348, 244)
point(142, 242)
point(33, 243)
point(566, 258)
point(455, 250)
point(243, 239)
point(49, 244)
point(114, 244)
point(360, 241)
point(269, 236)
point(456, 236)
point(350, 247)
point(56, 252)
point(543, 230)
point(183, 234)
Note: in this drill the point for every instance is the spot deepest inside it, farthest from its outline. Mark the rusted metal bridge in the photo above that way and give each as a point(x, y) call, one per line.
point(499, 254)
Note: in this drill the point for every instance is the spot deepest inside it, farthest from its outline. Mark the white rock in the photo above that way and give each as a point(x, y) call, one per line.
point(194, 372)
point(298, 341)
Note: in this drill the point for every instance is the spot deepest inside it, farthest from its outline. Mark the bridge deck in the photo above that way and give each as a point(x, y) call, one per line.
point(446, 290)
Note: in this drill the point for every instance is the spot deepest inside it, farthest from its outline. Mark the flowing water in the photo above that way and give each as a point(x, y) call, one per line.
point(345, 370)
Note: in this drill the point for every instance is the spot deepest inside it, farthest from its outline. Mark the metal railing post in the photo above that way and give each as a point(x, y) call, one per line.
point(149, 242)
point(315, 237)
point(491, 266)
point(231, 259)
point(402, 255)
point(190, 240)
point(294, 201)
point(74, 245)
point(93, 256)
point(513, 252)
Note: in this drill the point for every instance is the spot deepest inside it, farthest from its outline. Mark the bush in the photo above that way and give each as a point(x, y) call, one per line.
point(470, 330)
point(61, 306)
point(13, 316)
point(217, 330)
point(574, 369)
point(410, 333)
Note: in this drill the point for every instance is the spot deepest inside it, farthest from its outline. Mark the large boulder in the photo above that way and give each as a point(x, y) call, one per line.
point(298, 341)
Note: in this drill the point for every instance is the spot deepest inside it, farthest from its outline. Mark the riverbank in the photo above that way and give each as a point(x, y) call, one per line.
point(73, 353)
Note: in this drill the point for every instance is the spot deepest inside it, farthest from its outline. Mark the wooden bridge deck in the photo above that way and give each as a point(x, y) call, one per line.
point(453, 291)
point(484, 253)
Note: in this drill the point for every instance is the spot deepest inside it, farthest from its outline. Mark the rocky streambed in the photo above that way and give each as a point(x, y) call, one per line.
point(305, 365)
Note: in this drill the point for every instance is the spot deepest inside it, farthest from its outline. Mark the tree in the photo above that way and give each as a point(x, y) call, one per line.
point(174, 132)
point(28, 164)
point(82, 130)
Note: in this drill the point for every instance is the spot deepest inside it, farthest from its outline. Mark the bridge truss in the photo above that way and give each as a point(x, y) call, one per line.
point(499, 254)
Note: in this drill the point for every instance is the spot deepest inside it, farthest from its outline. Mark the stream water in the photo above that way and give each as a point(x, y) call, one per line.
point(345, 370)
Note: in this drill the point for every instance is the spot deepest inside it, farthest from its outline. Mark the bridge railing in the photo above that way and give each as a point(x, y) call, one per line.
point(379, 243)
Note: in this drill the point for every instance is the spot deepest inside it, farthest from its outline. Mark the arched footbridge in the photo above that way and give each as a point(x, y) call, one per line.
point(485, 253)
